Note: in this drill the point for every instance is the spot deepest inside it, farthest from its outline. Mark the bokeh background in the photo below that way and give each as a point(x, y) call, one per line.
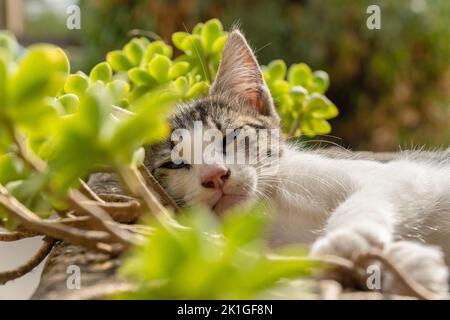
point(392, 86)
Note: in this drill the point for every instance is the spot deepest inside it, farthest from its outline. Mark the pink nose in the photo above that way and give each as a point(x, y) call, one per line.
point(214, 176)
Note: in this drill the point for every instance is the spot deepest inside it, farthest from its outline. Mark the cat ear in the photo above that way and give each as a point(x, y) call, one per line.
point(239, 76)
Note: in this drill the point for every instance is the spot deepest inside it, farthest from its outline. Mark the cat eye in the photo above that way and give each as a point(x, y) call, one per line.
point(172, 165)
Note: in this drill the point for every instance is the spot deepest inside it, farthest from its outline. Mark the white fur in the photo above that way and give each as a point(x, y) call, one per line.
point(344, 207)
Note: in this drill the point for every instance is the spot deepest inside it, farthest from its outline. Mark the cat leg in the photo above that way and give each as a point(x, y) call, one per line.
point(358, 225)
point(364, 223)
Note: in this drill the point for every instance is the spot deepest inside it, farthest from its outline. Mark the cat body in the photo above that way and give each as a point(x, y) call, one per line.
point(342, 207)
point(409, 198)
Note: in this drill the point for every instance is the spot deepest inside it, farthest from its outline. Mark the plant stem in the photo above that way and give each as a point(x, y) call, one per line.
point(136, 184)
point(38, 257)
point(17, 235)
point(99, 217)
point(150, 180)
point(32, 222)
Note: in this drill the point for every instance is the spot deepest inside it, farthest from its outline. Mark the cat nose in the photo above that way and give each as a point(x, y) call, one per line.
point(214, 176)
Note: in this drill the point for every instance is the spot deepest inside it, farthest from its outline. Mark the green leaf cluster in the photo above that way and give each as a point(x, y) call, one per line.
point(299, 95)
point(143, 65)
point(67, 124)
point(28, 84)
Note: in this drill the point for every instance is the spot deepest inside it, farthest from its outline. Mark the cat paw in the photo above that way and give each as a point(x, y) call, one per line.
point(351, 241)
point(423, 263)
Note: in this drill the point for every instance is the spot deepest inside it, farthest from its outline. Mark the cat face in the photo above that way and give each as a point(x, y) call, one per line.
point(224, 149)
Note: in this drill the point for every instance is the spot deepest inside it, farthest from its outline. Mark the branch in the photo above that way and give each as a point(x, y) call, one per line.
point(124, 212)
point(294, 127)
point(83, 222)
point(7, 236)
point(114, 197)
point(414, 289)
point(150, 180)
point(99, 217)
point(31, 221)
point(39, 256)
point(120, 208)
point(91, 239)
point(136, 184)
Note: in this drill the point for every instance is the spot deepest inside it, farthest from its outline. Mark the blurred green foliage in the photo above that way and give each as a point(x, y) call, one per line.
point(70, 135)
point(210, 259)
point(392, 85)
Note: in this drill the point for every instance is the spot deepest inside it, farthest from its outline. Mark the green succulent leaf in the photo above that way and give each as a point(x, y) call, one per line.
point(76, 84)
point(178, 40)
point(155, 48)
point(199, 89)
point(218, 44)
point(321, 81)
point(319, 106)
point(178, 69)
point(70, 102)
point(118, 61)
point(181, 86)
point(159, 68)
point(300, 75)
point(134, 51)
point(193, 46)
point(119, 89)
point(138, 157)
point(101, 72)
point(276, 70)
point(48, 76)
point(198, 28)
point(140, 76)
point(210, 32)
point(311, 126)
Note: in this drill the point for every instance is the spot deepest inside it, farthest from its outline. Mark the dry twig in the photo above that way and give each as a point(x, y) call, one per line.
point(356, 270)
point(154, 184)
point(32, 222)
point(38, 257)
point(99, 217)
point(8, 236)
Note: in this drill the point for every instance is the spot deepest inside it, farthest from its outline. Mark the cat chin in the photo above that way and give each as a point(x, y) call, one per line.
point(227, 202)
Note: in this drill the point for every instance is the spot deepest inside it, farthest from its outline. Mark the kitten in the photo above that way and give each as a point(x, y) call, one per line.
point(338, 206)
